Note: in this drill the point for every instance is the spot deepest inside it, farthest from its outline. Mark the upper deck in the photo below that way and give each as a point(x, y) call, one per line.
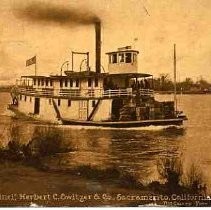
point(85, 85)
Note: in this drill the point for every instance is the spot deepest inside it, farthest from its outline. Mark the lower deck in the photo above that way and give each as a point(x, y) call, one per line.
point(111, 112)
point(111, 124)
point(53, 109)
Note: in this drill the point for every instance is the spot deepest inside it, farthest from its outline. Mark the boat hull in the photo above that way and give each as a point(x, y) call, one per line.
point(126, 124)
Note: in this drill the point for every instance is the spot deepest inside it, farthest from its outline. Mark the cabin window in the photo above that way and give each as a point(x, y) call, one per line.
point(46, 82)
point(38, 82)
point(93, 103)
point(50, 102)
point(25, 98)
point(128, 58)
point(66, 83)
point(51, 83)
point(69, 103)
point(59, 102)
point(34, 81)
point(121, 57)
point(71, 83)
point(89, 82)
point(96, 82)
point(61, 83)
point(77, 83)
point(42, 82)
point(114, 60)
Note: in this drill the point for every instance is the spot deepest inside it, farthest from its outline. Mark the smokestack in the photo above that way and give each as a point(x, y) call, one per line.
point(98, 46)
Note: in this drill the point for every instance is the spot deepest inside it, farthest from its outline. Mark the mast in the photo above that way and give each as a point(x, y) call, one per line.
point(175, 79)
point(35, 64)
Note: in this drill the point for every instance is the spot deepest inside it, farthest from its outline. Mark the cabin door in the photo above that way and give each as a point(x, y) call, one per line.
point(83, 110)
point(37, 106)
point(116, 106)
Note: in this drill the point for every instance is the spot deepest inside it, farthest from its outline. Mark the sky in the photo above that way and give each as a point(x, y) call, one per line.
point(155, 25)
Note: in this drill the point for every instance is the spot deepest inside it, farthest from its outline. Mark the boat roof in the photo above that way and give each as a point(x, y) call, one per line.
point(84, 74)
point(34, 77)
point(89, 74)
point(70, 74)
point(131, 75)
point(122, 51)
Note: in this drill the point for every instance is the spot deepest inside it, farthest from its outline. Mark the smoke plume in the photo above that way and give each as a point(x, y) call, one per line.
point(42, 12)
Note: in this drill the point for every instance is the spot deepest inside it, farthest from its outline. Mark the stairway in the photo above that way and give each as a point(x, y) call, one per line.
point(94, 110)
point(58, 115)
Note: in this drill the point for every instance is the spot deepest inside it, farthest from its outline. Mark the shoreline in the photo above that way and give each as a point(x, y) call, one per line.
point(183, 93)
point(79, 191)
point(90, 192)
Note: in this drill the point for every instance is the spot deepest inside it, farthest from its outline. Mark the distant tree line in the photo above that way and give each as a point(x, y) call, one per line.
point(165, 83)
point(5, 88)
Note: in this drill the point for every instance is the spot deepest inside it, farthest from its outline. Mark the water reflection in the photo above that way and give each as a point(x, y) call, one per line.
point(132, 151)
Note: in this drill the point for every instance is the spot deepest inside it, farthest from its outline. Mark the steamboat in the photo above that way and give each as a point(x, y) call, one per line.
point(123, 97)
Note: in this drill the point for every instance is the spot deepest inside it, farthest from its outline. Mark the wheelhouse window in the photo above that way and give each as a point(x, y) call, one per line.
point(51, 83)
point(121, 57)
point(110, 58)
point(34, 81)
point(114, 58)
point(25, 98)
point(38, 82)
point(128, 58)
point(134, 57)
point(89, 82)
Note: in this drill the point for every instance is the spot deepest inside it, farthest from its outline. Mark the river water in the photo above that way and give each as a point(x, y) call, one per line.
point(135, 151)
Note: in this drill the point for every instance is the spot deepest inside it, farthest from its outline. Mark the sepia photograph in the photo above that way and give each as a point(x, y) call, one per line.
point(105, 103)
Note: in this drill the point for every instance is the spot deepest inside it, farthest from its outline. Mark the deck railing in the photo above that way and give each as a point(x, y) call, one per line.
point(70, 93)
point(118, 93)
point(33, 91)
point(85, 93)
point(146, 92)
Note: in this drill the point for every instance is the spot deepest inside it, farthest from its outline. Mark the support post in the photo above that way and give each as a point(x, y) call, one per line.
point(35, 66)
point(72, 61)
point(175, 79)
point(87, 61)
